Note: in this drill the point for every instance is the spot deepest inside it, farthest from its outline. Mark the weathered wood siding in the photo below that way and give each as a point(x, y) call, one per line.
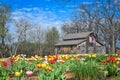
point(67, 49)
point(81, 48)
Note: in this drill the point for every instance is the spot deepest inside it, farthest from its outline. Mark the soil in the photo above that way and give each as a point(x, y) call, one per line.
point(33, 77)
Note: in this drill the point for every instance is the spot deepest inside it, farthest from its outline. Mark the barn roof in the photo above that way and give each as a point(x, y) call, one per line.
point(69, 42)
point(77, 35)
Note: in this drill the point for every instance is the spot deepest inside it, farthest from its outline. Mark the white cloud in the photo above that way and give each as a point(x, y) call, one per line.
point(87, 3)
point(27, 9)
point(16, 13)
point(39, 16)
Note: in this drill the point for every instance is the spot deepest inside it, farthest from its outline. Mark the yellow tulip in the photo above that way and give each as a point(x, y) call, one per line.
point(17, 58)
point(18, 74)
point(2, 60)
point(78, 55)
point(89, 56)
point(46, 67)
point(117, 62)
point(67, 57)
point(93, 55)
point(43, 65)
point(60, 57)
point(72, 59)
point(39, 59)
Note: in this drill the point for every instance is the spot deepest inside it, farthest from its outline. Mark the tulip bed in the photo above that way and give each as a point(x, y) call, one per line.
point(61, 67)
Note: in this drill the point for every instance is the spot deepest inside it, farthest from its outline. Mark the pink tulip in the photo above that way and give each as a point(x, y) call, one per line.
point(29, 73)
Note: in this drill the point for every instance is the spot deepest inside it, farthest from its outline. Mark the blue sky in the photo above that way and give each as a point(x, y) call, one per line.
point(44, 13)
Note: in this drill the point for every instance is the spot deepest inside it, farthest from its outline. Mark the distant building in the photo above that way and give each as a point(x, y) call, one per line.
point(84, 42)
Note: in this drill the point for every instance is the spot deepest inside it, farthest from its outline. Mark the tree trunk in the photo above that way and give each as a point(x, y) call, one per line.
point(87, 41)
point(16, 48)
point(113, 40)
point(3, 47)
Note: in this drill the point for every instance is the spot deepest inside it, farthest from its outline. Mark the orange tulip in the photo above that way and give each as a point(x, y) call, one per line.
point(39, 66)
point(62, 61)
point(50, 68)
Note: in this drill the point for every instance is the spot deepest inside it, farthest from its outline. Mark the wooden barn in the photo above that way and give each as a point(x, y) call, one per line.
point(84, 43)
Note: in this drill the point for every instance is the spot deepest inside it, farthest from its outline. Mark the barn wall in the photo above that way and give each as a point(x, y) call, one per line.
point(81, 48)
point(67, 49)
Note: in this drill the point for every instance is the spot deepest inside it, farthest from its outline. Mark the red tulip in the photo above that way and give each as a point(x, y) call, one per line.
point(52, 61)
point(55, 59)
point(5, 64)
point(111, 59)
point(105, 62)
point(12, 60)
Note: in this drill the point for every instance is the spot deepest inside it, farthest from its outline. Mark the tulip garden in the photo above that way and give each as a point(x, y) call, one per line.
point(61, 67)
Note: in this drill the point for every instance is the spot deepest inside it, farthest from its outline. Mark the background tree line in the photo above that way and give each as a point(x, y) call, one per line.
point(100, 16)
point(27, 39)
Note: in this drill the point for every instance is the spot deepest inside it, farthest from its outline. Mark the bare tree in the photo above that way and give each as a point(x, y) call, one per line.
point(37, 37)
point(108, 22)
point(102, 17)
point(22, 26)
point(10, 43)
